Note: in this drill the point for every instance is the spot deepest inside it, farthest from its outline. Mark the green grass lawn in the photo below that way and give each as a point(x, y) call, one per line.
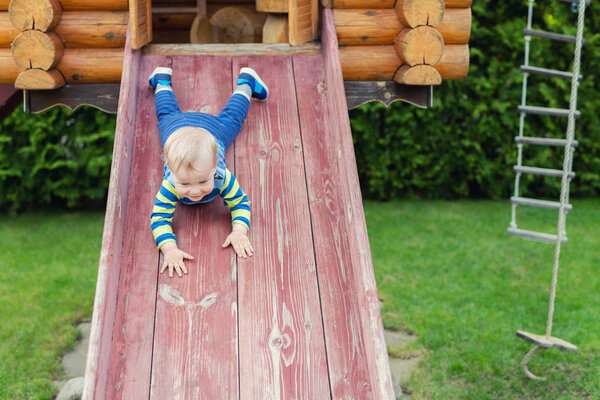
point(49, 263)
point(448, 272)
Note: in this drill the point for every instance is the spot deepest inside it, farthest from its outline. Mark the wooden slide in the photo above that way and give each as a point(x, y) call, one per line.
point(298, 320)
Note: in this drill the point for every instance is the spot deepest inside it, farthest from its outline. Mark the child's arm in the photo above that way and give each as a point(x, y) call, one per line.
point(160, 222)
point(238, 203)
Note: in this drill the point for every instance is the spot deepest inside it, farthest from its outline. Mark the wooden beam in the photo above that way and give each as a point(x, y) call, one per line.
point(240, 49)
point(92, 65)
point(140, 23)
point(458, 3)
point(8, 32)
point(36, 49)
point(386, 92)
point(420, 45)
point(340, 4)
point(42, 15)
point(274, 6)
point(377, 27)
point(103, 97)
point(83, 5)
point(423, 75)
point(8, 69)
point(454, 63)
point(275, 29)
point(413, 13)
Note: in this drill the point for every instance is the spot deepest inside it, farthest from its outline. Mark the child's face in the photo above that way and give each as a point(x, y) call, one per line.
point(195, 183)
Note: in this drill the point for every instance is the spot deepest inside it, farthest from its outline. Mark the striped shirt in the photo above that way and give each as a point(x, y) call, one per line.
point(226, 185)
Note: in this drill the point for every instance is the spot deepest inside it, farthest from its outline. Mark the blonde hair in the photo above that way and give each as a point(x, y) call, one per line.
point(187, 145)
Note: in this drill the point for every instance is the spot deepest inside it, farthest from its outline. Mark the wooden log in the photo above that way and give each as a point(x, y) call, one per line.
point(421, 75)
point(92, 65)
point(454, 63)
point(42, 15)
point(456, 26)
point(275, 29)
point(8, 69)
point(238, 25)
point(368, 63)
point(8, 32)
point(36, 49)
point(413, 13)
point(303, 21)
point(140, 23)
point(202, 31)
point(84, 5)
point(79, 29)
point(95, 29)
point(274, 6)
point(458, 3)
point(375, 27)
point(38, 79)
point(420, 45)
point(340, 4)
point(379, 63)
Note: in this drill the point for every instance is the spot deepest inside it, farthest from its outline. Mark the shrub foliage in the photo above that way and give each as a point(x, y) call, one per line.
point(57, 156)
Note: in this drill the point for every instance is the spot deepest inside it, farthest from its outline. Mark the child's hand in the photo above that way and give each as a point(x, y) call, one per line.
point(173, 258)
point(238, 238)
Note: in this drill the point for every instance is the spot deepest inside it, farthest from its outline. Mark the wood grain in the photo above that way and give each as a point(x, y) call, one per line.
point(366, 290)
point(282, 354)
point(140, 23)
point(195, 346)
point(36, 49)
point(98, 364)
point(132, 342)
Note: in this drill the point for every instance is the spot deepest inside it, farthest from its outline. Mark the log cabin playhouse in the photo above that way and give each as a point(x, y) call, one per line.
point(50, 48)
point(301, 318)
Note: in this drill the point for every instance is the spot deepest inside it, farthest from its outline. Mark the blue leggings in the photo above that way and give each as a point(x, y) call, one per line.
point(225, 127)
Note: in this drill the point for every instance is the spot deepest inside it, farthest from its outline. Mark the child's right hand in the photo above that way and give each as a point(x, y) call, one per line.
point(173, 258)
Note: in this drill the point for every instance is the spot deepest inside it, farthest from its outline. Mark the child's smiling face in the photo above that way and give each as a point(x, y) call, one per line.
point(196, 182)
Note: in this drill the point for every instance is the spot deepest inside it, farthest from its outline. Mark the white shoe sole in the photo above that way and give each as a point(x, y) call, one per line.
point(161, 70)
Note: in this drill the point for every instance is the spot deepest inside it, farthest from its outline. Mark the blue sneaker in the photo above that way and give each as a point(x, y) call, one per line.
point(260, 91)
point(160, 75)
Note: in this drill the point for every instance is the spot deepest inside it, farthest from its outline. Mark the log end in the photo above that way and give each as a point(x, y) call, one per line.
point(418, 75)
point(421, 45)
point(413, 13)
point(37, 79)
point(43, 15)
point(35, 49)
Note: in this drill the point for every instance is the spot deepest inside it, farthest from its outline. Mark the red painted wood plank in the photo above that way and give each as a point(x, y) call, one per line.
point(282, 353)
point(346, 353)
point(195, 344)
point(98, 359)
point(131, 354)
point(365, 286)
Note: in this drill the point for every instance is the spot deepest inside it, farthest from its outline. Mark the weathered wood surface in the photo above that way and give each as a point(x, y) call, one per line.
point(386, 92)
point(140, 23)
point(422, 75)
point(36, 49)
point(282, 349)
point(98, 364)
point(195, 344)
point(365, 288)
point(239, 49)
point(420, 45)
point(42, 15)
point(303, 21)
point(379, 27)
point(92, 65)
point(102, 96)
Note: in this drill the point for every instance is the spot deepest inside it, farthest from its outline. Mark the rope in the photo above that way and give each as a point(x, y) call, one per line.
point(564, 189)
point(526, 360)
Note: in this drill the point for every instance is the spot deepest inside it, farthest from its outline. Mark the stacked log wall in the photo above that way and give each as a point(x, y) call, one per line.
point(86, 42)
point(379, 42)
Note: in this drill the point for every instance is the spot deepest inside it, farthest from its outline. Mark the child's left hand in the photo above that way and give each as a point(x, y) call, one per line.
point(238, 239)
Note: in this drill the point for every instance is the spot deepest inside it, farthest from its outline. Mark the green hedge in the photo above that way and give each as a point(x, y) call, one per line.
point(57, 156)
point(464, 146)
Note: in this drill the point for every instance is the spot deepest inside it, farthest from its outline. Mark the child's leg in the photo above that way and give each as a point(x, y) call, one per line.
point(165, 101)
point(234, 114)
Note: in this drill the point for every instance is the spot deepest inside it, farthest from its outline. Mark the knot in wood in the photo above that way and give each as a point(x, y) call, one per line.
point(277, 342)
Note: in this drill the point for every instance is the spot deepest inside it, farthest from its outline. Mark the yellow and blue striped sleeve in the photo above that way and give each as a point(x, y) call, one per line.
point(162, 214)
point(236, 200)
